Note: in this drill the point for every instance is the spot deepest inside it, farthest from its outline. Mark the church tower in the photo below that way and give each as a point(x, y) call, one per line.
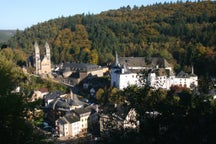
point(47, 60)
point(47, 50)
point(43, 66)
point(37, 59)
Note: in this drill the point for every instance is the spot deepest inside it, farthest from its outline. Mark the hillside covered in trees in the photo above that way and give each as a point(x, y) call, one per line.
point(183, 33)
point(5, 35)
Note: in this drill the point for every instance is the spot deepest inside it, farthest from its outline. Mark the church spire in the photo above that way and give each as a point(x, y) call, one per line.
point(116, 59)
point(47, 50)
point(37, 58)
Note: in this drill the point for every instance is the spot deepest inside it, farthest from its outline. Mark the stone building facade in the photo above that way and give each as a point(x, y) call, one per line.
point(42, 63)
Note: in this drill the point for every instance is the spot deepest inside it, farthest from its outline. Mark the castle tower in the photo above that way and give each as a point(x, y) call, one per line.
point(37, 59)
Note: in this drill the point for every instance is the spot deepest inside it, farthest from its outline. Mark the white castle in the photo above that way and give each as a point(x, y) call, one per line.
point(127, 71)
point(42, 64)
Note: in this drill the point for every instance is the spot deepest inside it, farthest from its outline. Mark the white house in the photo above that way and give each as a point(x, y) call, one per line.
point(122, 77)
point(186, 80)
point(159, 73)
point(160, 78)
point(83, 116)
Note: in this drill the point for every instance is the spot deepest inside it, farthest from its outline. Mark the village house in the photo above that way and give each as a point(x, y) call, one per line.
point(69, 115)
point(48, 98)
point(58, 104)
point(39, 94)
point(124, 117)
point(68, 125)
point(73, 73)
point(186, 80)
point(76, 122)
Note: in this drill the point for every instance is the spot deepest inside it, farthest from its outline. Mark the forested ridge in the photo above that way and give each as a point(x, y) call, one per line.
point(183, 33)
point(6, 34)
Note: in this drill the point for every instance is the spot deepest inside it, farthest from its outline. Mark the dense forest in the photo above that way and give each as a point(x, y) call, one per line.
point(183, 33)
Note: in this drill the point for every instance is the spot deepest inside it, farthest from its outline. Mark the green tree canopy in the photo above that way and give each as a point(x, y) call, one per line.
point(14, 127)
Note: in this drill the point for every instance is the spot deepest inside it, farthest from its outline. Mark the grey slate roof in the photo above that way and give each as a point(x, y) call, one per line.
point(76, 101)
point(60, 104)
point(64, 104)
point(122, 111)
point(52, 95)
point(82, 111)
point(69, 117)
point(79, 67)
point(182, 74)
point(162, 72)
point(144, 61)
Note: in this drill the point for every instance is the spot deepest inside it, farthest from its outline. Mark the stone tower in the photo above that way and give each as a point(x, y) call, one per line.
point(43, 66)
point(37, 59)
point(47, 51)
